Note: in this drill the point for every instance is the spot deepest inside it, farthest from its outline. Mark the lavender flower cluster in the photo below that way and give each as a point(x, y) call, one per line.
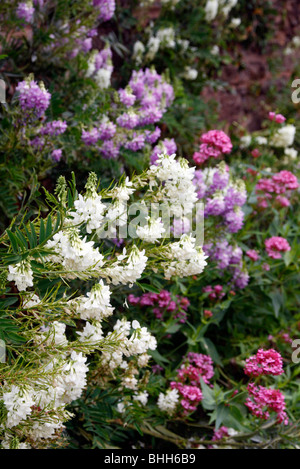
point(73, 35)
point(34, 100)
point(223, 198)
point(106, 9)
point(142, 103)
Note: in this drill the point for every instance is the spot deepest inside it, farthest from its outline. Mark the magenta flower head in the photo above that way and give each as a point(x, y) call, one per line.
point(278, 118)
point(283, 181)
point(275, 246)
point(262, 401)
point(265, 362)
point(252, 254)
point(214, 144)
point(283, 201)
point(272, 116)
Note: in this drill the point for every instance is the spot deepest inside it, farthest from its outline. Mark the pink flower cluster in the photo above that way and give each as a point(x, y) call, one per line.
point(275, 246)
point(214, 144)
point(221, 433)
point(162, 303)
point(215, 293)
point(262, 401)
point(192, 395)
point(252, 254)
point(265, 362)
point(281, 183)
point(195, 366)
point(283, 337)
point(279, 118)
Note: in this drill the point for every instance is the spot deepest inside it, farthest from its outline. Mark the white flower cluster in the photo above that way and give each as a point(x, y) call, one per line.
point(294, 44)
point(212, 8)
point(166, 37)
point(284, 137)
point(71, 379)
point(73, 252)
point(136, 344)
point(39, 409)
point(128, 268)
point(18, 403)
point(96, 304)
point(35, 407)
point(138, 397)
point(89, 210)
point(102, 76)
point(123, 191)
point(185, 258)
point(54, 334)
point(21, 274)
point(163, 39)
point(176, 186)
point(190, 73)
point(138, 52)
point(92, 333)
point(291, 153)
point(141, 397)
point(151, 232)
point(168, 402)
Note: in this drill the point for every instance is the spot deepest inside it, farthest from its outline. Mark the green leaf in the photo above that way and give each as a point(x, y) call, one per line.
point(151, 288)
point(21, 238)
point(211, 350)
point(13, 241)
point(42, 236)
point(16, 338)
point(158, 357)
point(230, 416)
point(221, 415)
point(48, 227)
point(58, 220)
point(33, 233)
point(173, 328)
point(277, 301)
point(288, 257)
point(8, 302)
point(208, 401)
point(30, 237)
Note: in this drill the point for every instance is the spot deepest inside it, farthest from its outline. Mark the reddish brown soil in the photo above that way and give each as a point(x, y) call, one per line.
point(251, 77)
